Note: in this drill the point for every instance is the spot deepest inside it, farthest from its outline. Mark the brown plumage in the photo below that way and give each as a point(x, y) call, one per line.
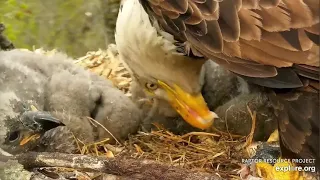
point(270, 32)
point(254, 38)
point(271, 43)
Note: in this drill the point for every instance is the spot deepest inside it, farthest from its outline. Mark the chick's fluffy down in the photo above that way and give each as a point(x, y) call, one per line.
point(54, 84)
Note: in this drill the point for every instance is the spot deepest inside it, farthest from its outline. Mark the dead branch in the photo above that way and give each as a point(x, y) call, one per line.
point(120, 166)
point(5, 44)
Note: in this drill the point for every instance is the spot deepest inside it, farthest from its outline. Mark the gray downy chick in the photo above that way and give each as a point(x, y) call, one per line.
point(18, 92)
point(230, 97)
point(69, 93)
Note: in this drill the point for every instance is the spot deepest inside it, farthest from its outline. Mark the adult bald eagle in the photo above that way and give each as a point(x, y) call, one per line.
point(272, 43)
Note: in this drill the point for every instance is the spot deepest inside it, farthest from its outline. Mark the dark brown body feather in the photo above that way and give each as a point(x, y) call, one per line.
point(273, 43)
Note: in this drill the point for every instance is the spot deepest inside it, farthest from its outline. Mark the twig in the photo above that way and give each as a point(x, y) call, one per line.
point(95, 121)
point(4, 153)
point(121, 166)
point(5, 44)
point(253, 126)
point(227, 134)
point(199, 134)
point(226, 119)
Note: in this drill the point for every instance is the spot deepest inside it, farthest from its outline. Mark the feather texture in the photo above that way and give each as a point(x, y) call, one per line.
point(273, 43)
point(243, 29)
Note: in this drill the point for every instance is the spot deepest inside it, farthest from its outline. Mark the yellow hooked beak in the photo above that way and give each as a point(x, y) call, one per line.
point(192, 108)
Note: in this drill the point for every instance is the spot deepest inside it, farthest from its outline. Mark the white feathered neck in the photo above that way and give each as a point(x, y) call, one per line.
point(149, 52)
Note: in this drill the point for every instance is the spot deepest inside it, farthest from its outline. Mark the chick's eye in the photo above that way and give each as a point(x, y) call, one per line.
point(151, 86)
point(14, 136)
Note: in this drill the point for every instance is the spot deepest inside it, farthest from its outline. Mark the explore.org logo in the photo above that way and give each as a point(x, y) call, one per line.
point(286, 165)
point(295, 168)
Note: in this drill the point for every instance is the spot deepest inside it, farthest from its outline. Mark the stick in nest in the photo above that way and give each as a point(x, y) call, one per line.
point(121, 166)
point(5, 153)
point(249, 138)
point(95, 121)
point(85, 148)
point(253, 126)
point(199, 134)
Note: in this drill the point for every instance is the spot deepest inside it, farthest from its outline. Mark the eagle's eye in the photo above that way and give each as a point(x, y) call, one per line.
point(151, 86)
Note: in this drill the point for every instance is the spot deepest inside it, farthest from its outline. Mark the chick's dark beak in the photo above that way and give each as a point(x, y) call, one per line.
point(38, 122)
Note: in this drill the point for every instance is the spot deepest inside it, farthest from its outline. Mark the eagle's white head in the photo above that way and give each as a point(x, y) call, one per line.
point(153, 59)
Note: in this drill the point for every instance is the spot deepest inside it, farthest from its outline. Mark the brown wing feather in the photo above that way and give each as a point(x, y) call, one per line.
point(250, 23)
point(229, 27)
point(229, 21)
point(298, 121)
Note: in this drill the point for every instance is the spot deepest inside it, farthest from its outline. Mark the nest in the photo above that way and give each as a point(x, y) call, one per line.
point(219, 153)
point(107, 65)
point(196, 150)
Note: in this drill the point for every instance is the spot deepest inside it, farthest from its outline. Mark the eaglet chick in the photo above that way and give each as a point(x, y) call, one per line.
point(61, 92)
